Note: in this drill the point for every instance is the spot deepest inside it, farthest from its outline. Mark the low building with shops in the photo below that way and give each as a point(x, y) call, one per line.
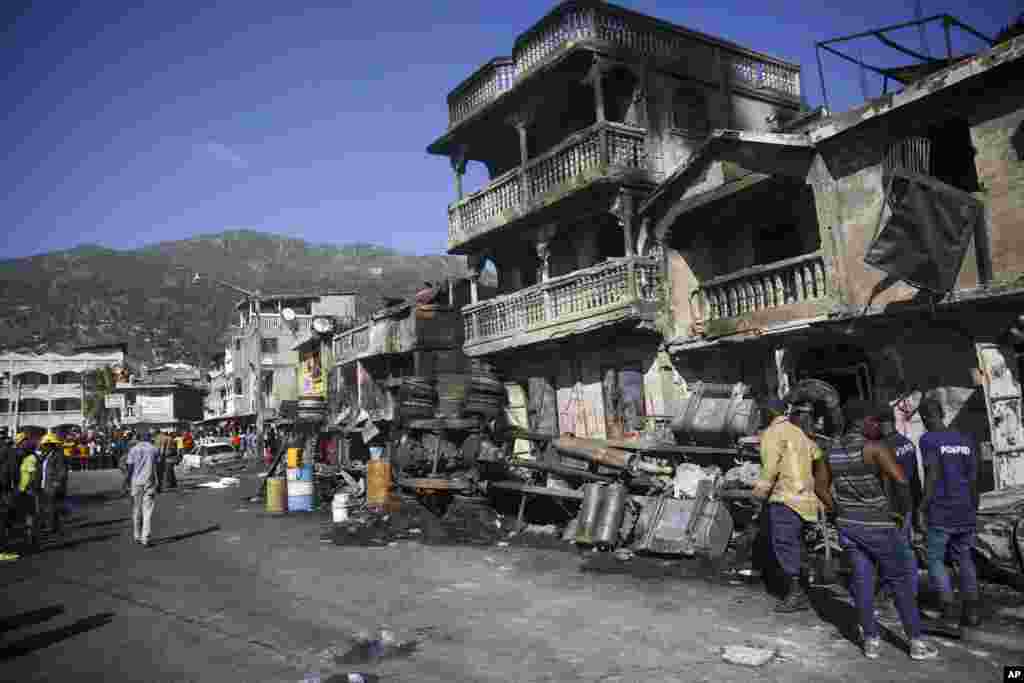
point(158, 405)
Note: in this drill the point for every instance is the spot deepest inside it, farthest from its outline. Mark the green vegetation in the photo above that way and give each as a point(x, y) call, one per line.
point(92, 294)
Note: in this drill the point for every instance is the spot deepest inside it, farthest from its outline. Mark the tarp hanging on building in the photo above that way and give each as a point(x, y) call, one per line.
point(929, 228)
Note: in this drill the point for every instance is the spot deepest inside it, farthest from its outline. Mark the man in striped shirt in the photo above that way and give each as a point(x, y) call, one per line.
point(851, 486)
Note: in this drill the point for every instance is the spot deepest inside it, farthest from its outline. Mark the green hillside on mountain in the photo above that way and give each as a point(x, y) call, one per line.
point(91, 294)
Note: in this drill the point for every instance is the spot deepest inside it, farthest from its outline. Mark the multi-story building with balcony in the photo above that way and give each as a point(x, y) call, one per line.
point(878, 250)
point(595, 107)
point(47, 391)
point(264, 351)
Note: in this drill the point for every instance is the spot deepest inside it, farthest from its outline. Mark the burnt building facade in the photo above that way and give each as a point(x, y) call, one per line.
point(595, 107)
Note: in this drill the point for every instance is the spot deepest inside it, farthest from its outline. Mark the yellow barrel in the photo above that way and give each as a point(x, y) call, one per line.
point(277, 495)
point(378, 483)
point(294, 457)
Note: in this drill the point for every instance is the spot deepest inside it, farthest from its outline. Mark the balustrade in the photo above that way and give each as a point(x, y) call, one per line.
point(605, 24)
point(587, 292)
point(777, 284)
point(581, 152)
point(351, 343)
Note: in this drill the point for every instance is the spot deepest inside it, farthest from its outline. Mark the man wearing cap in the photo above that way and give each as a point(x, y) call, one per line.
point(788, 461)
point(144, 474)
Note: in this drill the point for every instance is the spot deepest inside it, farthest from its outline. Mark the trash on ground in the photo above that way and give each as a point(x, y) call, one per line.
point(502, 544)
point(7, 557)
point(541, 529)
point(223, 483)
point(747, 656)
point(624, 554)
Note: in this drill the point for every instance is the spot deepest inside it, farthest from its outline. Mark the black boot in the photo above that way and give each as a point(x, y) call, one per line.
point(795, 600)
point(972, 612)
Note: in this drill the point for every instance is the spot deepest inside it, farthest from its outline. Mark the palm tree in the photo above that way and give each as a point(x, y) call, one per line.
point(99, 384)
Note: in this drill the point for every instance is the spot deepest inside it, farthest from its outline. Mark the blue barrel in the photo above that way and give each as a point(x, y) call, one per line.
point(305, 473)
point(300, 496)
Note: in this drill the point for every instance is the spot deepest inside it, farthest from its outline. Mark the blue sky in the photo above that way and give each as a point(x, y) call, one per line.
point(129, 123)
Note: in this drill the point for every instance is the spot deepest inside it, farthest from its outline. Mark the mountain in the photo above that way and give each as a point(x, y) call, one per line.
point(92, 294)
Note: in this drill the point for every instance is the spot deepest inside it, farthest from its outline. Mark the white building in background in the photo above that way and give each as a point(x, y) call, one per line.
point(46, 391)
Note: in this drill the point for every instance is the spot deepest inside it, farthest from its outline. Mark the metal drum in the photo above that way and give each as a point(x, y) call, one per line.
point(378, 483)
point(717, 414)
point(300, 496)
point(304, 473)
point(294, 457)
point(277, 495)
point(610, 514)
point(589, 510)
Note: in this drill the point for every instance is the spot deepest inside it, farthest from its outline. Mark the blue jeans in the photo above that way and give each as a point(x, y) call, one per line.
point(787, 538)
point(886, 546)
point(960, 544)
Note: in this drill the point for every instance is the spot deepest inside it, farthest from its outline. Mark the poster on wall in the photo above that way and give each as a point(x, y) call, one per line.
point(155, 408)
point(312, 379)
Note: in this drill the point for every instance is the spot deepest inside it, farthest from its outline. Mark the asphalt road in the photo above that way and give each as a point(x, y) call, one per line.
point(232, 594)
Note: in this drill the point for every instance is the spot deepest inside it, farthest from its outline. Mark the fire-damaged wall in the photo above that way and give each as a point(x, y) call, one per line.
point(603, 387)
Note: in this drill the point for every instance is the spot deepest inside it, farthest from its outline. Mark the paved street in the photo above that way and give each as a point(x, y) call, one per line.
point(260, 598)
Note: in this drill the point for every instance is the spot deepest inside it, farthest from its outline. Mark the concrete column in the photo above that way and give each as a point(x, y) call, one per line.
point(595, 78)
point(458, 161)
point(624, 210)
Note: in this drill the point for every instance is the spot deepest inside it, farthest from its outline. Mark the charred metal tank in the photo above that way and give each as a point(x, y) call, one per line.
point(610, 514)
point(717, 414)
point(588, 516)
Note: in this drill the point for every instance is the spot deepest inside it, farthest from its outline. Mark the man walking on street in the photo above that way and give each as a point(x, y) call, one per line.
point(788, 459)
point(143, 468)
point(29, 480)
point(949, 512)
point(852, 487)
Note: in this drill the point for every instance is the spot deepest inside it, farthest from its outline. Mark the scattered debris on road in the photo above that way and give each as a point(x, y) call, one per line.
point(747, 656)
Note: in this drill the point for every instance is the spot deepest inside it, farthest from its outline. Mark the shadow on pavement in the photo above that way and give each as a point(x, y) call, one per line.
point(41, 640)
point(832, 609)
point(105, 522)
point(77, 542)
point(181, 537)
point(30, 618)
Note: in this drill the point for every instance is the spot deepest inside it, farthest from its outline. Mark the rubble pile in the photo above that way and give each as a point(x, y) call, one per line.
point(463, 523)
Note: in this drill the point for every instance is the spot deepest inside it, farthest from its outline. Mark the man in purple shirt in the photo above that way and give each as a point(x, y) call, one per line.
point(949, 512)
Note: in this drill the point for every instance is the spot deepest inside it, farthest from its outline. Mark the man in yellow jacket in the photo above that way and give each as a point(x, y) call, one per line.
point(28, 494)
point(788, 461)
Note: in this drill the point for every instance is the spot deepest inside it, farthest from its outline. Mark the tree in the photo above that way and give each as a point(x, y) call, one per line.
point(99, 384)
point(1011, 31)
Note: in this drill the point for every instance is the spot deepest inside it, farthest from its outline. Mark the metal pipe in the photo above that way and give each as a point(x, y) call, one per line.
point(884, 28)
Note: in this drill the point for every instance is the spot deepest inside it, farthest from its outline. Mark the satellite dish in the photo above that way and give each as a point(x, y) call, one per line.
point(323, 325)
point(288, 314)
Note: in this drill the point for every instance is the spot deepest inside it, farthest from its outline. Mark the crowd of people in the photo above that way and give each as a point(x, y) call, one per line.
point(866, 482)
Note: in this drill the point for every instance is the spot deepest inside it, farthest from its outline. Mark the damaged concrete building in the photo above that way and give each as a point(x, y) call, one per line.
point(878, 250)
point(666, 218)
point(595, 107)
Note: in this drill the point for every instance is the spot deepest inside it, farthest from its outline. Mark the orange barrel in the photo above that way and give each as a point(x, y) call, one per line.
point(294, 458)
point(277, 495)
point(378, 483)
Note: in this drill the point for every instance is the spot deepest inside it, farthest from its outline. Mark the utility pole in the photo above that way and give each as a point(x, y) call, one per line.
point(253, 299)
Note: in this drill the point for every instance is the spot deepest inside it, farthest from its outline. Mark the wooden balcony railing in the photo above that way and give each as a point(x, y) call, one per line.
point(581, 294)
point(794, 280)
point(613, 144)
point(592, 21)
point(484, 86)
point(350, 343)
